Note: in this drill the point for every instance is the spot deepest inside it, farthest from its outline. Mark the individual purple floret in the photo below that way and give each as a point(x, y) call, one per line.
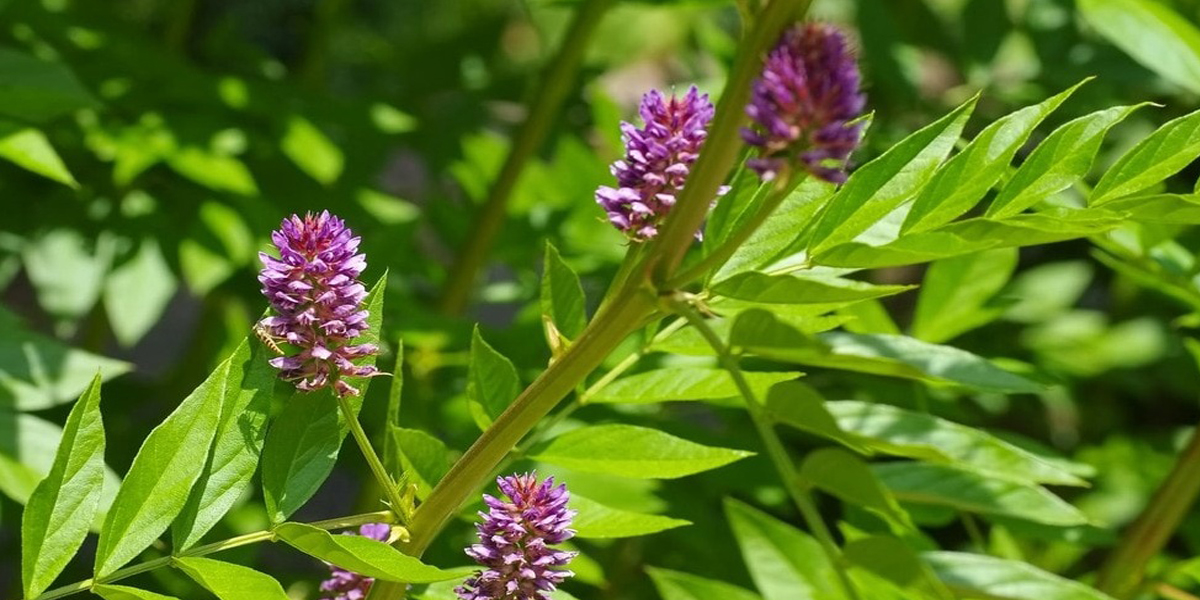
point(348, 585)
point(657, 160)
point(515, 540)
point(802, 103)
point(313, 287)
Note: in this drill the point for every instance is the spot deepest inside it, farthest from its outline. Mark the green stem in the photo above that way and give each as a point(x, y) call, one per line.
point(234, 542)
point(556, 83)
point(722, 146)
point(1126, 565)
point(381, 475)
point(775, 449)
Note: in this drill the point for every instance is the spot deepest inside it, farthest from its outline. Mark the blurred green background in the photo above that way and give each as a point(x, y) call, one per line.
point(147, 148)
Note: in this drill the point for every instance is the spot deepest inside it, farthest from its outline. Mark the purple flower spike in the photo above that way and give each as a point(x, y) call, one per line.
point(808, 92)
point(657, 160)
point(314, 288)
point(348, 585)
point(515, 540)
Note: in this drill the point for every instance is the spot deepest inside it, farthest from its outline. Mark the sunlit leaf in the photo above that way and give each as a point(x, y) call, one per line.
point(631, 451)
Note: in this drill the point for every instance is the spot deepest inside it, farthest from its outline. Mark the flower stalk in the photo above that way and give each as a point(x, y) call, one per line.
point(390, 490)
point(556, 82)
point(784, 466)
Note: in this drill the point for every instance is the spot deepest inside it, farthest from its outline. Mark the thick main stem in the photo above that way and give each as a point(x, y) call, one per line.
point(778, 454)
point(722, 146)
point(556, 82)
point(364, 444)
point(1126, 565)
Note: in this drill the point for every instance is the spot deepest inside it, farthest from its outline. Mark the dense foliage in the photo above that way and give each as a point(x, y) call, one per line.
point(709, 356)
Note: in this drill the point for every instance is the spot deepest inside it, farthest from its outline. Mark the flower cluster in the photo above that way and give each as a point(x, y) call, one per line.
point(348, 585)
point(657, 160)
point(314, 288)
point(803, 102)
point(515, 540)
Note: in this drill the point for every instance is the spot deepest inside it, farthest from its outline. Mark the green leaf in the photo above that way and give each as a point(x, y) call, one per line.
point(303, 442)
point(683, 383)
point(38, 372)
point(900, 356)
point(1058, 162)
point(963, 181)
point(807, 289)
point(785, 563)
point(218, 241)
point(162, 475)
point(424, 458)
point(1161, 154)
point(881, 185)
point(997, 578)
point(781, 233)
point(312, 151)
point(137, 291)
point(746, 192)
point(847, 477)
point(492, 381)
point(228, 581)
point(29, 149)
point(1153, 34)
point(219, 172)
point(562, 296)
point(60, 510)
point(123, 592)
point(246, 390)
point(896, 562)
point(900, 432)
point(38, 91)
point(761, 332)
point(798, 405)
point(940, 485)
point(597, 521)
point(677, 585)
point(1169, 209)
point(956, 291)
point(67, 271)
point(631, 451)
point(360, 554)
point(974, 235)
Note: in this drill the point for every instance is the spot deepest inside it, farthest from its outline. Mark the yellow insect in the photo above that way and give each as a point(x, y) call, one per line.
point(267, 339)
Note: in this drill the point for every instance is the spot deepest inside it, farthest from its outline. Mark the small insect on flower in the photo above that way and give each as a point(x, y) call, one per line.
point(657, 160)
point(516, 539)
point(314, 289)
point(803, 103)
point(348, 585)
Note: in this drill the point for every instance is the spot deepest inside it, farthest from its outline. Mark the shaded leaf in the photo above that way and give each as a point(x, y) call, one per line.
point(562, 297)
point(424, 458)
point(38, 91)
point(1153, 34)
point(683, 383)
point(631, 451)
point(956, 292)
point(971, 574)
point(939, 485)
point(122, 592)
point(492, 381)
point(677, 585)
point(137, 292)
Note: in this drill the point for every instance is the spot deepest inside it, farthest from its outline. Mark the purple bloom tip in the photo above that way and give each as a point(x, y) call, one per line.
point(314, 289)
point(803, 102)
point(515, 541)
point(348, 585)
point(657, 160)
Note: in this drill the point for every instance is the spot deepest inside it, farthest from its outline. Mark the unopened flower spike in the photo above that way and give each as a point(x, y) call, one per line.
point(803, 104)
point(348, 585)
point(658, 158)
point(314, 290)
point(516, 541)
